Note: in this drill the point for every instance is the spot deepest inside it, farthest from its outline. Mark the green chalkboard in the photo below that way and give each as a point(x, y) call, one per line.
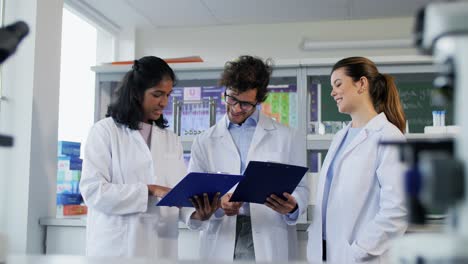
point(416, 92)
point(329, 108)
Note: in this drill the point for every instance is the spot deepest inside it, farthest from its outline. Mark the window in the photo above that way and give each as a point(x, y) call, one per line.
point(76, 103)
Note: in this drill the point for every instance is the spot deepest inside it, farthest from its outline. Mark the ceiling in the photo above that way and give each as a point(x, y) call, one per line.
point(155, 14)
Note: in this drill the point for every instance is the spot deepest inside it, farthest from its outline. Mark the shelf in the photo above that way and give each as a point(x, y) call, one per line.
point(68, 221)
point(81, 222)
point(74, 222)
point(319, 142)
point(322, 142)
point(429, 136)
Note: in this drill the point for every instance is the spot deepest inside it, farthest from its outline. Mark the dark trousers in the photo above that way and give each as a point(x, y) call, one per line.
point(244, 247)
point(324, 250)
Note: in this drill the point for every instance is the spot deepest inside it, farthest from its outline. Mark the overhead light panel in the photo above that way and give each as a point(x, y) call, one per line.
point(313, 45)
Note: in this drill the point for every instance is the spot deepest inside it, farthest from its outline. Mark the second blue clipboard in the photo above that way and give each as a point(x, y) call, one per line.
point(261, 179)
point(196, 183)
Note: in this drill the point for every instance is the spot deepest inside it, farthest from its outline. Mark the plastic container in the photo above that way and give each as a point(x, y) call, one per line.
point(442, 117)
point(435, 118)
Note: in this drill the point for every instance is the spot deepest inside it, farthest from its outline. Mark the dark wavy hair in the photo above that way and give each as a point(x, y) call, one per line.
point(382, 88)
point(146, 73)
point(247, 73)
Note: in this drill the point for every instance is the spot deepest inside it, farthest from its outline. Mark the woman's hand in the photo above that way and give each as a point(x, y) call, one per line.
point(158, 190)
point(204, 209)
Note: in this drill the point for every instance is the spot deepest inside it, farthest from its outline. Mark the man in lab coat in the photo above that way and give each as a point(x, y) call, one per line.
point(243, 231)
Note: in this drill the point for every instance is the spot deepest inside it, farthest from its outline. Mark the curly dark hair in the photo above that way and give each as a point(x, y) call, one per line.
point(247, 73)
point(146, 73)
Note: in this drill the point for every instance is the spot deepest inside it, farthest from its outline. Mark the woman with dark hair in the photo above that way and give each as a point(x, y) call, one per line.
point(360, 194)
point(130, 162)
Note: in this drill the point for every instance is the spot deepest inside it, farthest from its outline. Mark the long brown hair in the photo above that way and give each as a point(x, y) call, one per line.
point(382, 88)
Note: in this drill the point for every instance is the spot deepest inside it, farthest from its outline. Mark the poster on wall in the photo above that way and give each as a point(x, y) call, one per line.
point(281, 104)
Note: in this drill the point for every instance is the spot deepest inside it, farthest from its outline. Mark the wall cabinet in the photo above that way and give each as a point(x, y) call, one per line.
point(300, 96)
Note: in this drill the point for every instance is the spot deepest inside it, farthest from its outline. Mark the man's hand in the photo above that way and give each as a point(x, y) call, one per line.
point(157, 190)
point(280, 205)
point(204, 209)
point(230, 208)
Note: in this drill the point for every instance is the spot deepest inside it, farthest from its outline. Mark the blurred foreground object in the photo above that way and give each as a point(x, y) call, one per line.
point(437, 175)
point(10, 37)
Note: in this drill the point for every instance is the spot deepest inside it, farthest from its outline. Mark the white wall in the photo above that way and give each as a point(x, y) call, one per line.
point(105, 47)
point(107, 32)
point(31, 83)
point(279, 41)
point(125, 44)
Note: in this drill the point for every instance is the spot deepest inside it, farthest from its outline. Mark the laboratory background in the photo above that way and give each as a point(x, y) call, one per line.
point(63, 72)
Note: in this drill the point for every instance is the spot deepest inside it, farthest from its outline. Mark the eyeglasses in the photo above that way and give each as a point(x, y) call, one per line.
point(231, 100)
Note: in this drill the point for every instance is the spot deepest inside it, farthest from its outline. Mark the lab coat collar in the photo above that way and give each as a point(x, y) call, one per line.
point(264, 124)
point(135, 134)
point(252, 119)
point(155, 132)
point(375, 124)
point(157, 129)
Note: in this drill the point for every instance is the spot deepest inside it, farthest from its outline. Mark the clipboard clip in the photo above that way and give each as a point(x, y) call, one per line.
point(275, 162)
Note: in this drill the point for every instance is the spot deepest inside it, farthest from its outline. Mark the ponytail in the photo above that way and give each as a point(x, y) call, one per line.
point(386, 99)
point(382, 88)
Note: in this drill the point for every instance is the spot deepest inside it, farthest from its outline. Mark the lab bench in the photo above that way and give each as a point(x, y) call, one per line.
point(33, 259)
point(68, 236)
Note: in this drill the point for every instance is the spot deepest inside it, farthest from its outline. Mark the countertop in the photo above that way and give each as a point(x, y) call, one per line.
point(81, 222)
point(431, 226)
point(61, 259)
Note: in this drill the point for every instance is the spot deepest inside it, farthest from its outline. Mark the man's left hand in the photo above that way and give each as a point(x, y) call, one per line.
point(280, 205)
point(204, 208)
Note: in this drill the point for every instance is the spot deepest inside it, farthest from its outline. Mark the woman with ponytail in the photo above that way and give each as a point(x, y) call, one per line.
point(360, 203)
point(130, 161)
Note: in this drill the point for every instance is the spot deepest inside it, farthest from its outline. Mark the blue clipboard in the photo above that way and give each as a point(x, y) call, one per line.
point(197, 183)
point(261, 179)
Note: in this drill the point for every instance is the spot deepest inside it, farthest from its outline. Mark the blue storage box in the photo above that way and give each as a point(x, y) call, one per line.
point(69, 198)
point(66, 163)
point(68, 148)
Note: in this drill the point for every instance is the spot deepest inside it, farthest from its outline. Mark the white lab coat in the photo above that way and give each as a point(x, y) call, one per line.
point(118, 165)
point(274, 237)
point(366, 204)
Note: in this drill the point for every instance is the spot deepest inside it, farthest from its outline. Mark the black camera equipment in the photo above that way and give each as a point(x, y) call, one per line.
point(10, 37)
